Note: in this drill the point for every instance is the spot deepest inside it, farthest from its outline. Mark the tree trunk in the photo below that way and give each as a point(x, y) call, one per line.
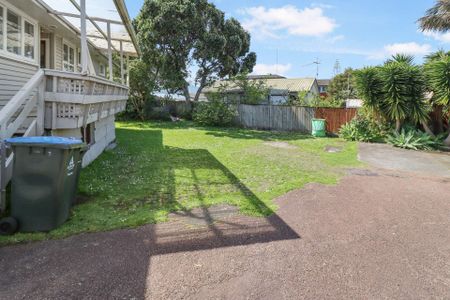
point(186, 94)
point(427, 129)
point(398, 125)
point(440, 121)
point(200, 88)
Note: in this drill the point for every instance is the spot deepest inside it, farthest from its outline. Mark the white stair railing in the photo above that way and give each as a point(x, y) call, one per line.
point(12, 117)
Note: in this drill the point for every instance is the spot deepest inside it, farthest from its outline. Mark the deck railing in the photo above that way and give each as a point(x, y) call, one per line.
point(73, 100)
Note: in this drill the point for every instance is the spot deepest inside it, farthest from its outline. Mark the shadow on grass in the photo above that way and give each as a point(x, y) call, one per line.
point(144, 177)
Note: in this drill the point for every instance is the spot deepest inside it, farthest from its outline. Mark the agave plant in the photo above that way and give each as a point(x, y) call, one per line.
point(412, 139)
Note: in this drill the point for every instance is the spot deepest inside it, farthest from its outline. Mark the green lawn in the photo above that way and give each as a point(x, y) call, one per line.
point(162, 167)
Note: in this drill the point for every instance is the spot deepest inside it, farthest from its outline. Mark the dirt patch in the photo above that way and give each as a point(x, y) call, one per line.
point(332, 149)
point(282, 145)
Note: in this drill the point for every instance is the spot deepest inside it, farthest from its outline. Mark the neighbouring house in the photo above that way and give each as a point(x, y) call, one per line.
point(57, 71)
point(281, 89)
point(323, 86)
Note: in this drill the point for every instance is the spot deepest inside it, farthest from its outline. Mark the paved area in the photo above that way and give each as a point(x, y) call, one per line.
point(391, 158)
point(377, 234)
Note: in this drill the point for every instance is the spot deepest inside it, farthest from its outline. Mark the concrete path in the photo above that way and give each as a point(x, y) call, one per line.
point(388, 157)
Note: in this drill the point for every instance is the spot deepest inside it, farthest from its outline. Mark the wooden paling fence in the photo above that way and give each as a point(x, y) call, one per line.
point(336, 117)
point(276, 117)
point(292, 118)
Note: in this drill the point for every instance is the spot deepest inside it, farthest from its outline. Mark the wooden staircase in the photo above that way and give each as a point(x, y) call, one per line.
point(16, 119)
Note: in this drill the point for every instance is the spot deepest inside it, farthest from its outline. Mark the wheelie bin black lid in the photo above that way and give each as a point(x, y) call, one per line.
point(47, 142)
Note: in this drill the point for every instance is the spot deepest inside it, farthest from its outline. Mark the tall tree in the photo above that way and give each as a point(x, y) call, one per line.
point(342, 86)
point(437, 18)
point(177, 35)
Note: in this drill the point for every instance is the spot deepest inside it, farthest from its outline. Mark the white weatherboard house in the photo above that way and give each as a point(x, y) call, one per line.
point(57, 71)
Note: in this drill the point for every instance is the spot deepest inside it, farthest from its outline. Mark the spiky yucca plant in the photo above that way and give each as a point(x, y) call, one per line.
point(437, 18)
point(438, 74)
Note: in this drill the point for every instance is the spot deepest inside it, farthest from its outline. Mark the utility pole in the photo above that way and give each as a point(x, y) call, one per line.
point(317, 63)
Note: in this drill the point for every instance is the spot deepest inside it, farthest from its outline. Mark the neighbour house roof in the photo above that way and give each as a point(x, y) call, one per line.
point(287, 84)
point(99, 13)
point(268, 76)
point(323, 81)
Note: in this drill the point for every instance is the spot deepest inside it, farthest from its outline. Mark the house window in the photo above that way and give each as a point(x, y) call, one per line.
point(68, 58)
point(29, 40)
point(18, 33)
point(102, 70)
point(13, 33)
point(79, 69)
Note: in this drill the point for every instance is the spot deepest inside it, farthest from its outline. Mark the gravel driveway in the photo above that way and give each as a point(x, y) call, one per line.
point(377, 234)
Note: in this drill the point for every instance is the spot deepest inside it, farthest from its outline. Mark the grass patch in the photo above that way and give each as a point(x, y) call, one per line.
point(162, 167)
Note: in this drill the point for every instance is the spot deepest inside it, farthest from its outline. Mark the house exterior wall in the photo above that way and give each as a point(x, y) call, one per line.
point(13, 76)
point(104, 135)
point(15, 72)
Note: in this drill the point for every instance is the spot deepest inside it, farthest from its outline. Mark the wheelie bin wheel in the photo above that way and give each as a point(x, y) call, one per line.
point(8, 226)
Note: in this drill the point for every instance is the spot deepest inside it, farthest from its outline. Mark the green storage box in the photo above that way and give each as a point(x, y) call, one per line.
point(318, 127)
point(44, 183)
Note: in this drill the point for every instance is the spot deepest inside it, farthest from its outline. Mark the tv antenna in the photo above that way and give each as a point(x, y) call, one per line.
point(317, 63)
point(337, 68)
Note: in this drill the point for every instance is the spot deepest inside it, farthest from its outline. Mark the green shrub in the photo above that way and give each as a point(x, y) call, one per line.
point(215, 113)
point(413, 139)
point(361, 129)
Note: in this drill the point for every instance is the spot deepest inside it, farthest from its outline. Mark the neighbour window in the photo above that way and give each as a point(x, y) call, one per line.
point(68, 58)
point(14, 29)
point(1, 27)
point(29, 40)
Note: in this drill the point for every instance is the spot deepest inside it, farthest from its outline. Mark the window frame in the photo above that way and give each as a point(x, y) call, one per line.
point(100, 65)
point(69, 45)
point(23, 18)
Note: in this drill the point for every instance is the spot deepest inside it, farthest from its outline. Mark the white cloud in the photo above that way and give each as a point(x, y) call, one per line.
point(279, 69)
point(411, 48)
point(335, 39)
point(441, 37)
point(270, 22)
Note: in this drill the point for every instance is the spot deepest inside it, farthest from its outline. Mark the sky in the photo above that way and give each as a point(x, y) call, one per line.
point(288, 36)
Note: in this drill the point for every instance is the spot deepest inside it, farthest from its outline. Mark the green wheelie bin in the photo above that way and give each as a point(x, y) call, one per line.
point(44, 182)
point(318, 127)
